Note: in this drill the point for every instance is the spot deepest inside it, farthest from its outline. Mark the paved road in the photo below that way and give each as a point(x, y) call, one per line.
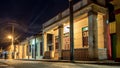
point(40, 64)
point(5, 66)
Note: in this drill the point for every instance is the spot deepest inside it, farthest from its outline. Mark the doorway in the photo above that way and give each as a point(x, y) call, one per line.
point(113, 45)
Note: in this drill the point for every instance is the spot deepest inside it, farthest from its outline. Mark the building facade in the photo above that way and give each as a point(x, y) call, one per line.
point(90, 33)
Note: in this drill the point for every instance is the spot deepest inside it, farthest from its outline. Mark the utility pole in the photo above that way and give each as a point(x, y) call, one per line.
point(71, 31)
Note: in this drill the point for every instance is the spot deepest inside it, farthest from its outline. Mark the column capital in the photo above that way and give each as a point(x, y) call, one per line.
point(91, 12)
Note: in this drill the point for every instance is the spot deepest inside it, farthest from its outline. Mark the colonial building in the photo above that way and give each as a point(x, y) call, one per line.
point(90, 32)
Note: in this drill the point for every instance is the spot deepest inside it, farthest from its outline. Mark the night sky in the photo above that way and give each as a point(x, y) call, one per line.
point(27, 16)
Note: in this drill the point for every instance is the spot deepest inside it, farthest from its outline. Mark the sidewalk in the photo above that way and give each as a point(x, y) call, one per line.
point(102, 62)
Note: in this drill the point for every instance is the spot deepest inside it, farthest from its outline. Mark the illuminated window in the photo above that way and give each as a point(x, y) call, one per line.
point(85, 36)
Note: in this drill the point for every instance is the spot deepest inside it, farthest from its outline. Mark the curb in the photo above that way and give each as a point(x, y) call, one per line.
point(79, 62)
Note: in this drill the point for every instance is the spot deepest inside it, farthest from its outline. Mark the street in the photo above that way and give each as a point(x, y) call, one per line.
point(41, 64)
point(5, 66)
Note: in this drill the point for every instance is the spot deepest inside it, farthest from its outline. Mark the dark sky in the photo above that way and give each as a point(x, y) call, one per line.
point(27, 15)
point(31, 10)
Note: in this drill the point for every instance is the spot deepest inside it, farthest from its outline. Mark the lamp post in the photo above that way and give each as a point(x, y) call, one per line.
point(12, 45)
point(12, 42)
point(71, 31)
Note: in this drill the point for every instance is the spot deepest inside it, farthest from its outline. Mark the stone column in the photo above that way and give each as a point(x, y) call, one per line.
point(60, 40)
point(93, 35)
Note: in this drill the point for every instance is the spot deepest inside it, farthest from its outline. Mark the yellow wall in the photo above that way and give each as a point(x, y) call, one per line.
point(78, 32)
point(100, 31)
point(20, 51)
point(112, 27)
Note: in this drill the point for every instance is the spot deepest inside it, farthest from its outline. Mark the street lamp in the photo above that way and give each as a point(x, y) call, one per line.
point(9, 37)
point(71, 31)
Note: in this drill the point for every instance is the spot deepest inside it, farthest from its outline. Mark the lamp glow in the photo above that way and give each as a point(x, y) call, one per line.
point(10, 37)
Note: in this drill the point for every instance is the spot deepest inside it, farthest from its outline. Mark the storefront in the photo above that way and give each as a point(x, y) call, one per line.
point(90, 34)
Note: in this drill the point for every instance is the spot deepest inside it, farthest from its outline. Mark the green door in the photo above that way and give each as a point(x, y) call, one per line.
point(113, 44)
